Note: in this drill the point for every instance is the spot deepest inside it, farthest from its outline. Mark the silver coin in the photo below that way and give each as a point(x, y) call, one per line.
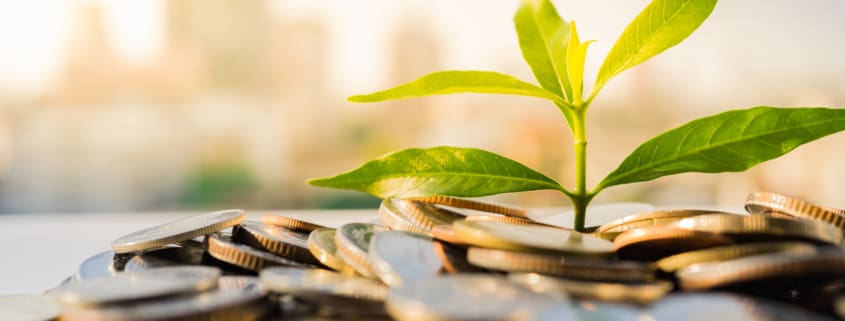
point(399, 257)
point(304, 281)
point(235, 298)
point(177, 231)
point(467, 297)
point(128, 286)
point(103, 264)
point(353, 242)
point(28, 307)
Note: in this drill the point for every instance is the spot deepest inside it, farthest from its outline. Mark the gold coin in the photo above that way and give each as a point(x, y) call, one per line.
point(826, 262)
point(570, 267)
point(471, 205)
point(520, 237)
point(638, 293)
point(655, 242)
point(762, 228)
point(447, 234)
point(612, 229)
point(730, 252)
point(28, 307)
point(353, 241)
point(177, 231)
point(503, 219)
point(220, 247)
point(277, 240)
point(321, 244)
point(289, 223)
point(768, 203)
point(412, 216)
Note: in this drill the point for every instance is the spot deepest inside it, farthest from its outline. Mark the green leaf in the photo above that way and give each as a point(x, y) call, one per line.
point(543, 36)
point(458, 81)
point(453, 171)
point(576, 54)
point(732, 141)
point(660, 26)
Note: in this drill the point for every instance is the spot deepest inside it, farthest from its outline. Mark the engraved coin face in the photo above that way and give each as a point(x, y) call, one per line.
point(28, 307)
point(234, 298)
point(177, 231)
point(523, 237)
point(129, 286)
point(466, 297)
point(398, 257)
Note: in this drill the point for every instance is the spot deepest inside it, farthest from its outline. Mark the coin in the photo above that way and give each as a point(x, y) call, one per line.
point(729, 252)
point(447, 234)
point(762, 228)
point(508, 236)
point(289, 223)
point(235, 298)
point(129, 286)
point(638, 293)
point(277, 240)
point(412, 216)
point(656, 242)
point(454, 258)
point(102, 264)
point(243, 256)
point(169, 256)
point(321, 245)
point(353, 242)
point(466, 297)
point(177, 231)
point(585, 268)
point(28, 307)
point(826, 262)
point(398, 257)
point(299, 281)
point(664, 217)
point(500, 218)
point(767, 203)
point(472, 205)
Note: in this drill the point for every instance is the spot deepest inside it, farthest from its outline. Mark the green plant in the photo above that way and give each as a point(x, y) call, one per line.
point(727, 142)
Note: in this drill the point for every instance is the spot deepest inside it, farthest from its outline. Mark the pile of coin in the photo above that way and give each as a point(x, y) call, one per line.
point(445, 258)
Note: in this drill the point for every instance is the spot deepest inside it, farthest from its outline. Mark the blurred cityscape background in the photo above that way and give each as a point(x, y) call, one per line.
point(118, 106)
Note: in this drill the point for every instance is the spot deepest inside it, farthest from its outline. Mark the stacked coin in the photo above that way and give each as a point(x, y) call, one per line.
point(446, 258)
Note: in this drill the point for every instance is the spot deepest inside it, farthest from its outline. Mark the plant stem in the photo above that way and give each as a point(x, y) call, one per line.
point(581, 197)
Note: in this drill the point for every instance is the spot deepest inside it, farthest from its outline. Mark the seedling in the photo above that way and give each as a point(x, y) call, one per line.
point(731, 141)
